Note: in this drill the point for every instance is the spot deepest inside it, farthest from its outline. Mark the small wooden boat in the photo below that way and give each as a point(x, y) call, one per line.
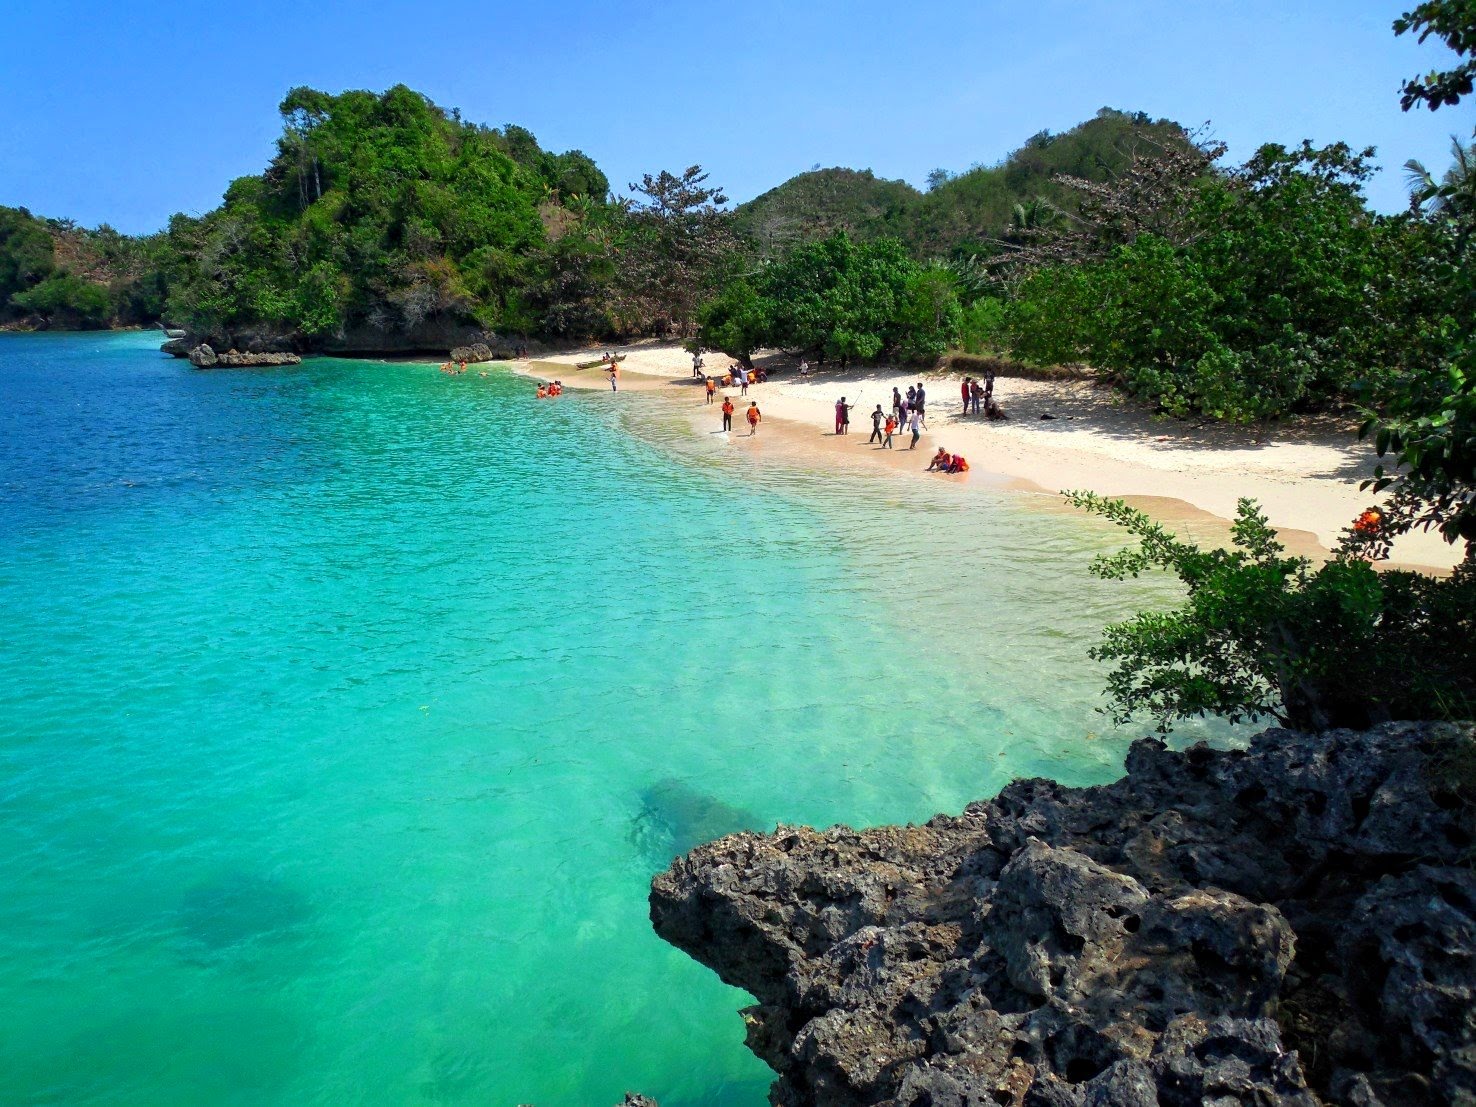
point(604, 361)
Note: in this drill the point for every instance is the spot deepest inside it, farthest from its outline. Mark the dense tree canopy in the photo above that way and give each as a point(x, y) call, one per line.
point(387, 212)
point(838, 299)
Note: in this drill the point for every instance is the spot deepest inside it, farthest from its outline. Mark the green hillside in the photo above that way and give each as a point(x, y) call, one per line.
point(960, 211)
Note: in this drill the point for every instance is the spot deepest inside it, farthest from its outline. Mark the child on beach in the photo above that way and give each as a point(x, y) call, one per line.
point(753, 419)
point(891, 426)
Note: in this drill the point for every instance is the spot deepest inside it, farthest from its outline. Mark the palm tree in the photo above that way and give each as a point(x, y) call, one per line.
point(1455, 192)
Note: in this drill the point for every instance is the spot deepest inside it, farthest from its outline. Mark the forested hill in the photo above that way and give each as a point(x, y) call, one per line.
point(382, 214)
point(959, 211)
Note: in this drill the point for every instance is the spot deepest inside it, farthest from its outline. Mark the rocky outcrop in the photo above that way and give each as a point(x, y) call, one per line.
point(1290, 924)
point(477, 351)
point(203, 357)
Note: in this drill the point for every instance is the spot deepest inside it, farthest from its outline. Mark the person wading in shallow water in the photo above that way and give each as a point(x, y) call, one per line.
point(876, 425)
point(727, 414)
point(754, 416)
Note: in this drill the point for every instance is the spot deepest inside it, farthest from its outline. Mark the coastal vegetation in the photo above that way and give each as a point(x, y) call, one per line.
point(72, 278)
point(1338, 645)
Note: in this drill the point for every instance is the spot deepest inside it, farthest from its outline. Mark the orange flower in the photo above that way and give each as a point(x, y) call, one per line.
point(1368, 522)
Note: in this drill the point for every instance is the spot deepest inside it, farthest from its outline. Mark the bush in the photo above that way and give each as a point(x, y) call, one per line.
point(1262, 634)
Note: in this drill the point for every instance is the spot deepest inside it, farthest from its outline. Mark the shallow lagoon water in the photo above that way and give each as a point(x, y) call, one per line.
point(348, 709)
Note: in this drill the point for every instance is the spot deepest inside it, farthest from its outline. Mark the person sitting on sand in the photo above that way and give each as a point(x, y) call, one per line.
point(727, 414)
point(711, 389)
point(804, 367)
point(940, 461)
point(754, 417)
point(958, 464)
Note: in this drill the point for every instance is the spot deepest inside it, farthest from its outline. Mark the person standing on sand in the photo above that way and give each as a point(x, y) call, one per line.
point(915, 426)
point(614, 372)
point(697, 364)
point(754, 416)
point(843, 416)
point(897, 403)
point(711, 389)
point(911, 397)
point(727, 414)
point(743, 380)
point(976, 390)
point(921, 401)
point(876, 425)
point(891, 426)
point(988, 385)
point(965, 390)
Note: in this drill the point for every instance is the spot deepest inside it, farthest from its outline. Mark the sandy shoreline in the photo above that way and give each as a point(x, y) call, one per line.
point(1306, 478)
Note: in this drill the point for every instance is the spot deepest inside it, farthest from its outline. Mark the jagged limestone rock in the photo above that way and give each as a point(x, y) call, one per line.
point(1290, 924)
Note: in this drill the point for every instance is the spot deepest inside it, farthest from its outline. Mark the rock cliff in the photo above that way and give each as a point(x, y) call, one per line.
point(1290, 924)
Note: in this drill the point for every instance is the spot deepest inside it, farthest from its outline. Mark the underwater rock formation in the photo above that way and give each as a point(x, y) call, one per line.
point(1294, 924)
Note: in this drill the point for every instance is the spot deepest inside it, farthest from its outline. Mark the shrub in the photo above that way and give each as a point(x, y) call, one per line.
point(1262, 634)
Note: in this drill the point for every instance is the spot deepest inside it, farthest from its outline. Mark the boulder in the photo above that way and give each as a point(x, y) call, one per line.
point(477, 351)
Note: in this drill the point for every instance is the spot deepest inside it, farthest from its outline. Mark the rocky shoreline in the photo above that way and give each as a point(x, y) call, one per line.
point(1290, 924)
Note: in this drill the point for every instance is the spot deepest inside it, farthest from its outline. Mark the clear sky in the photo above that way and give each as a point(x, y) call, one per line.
point(127, 112)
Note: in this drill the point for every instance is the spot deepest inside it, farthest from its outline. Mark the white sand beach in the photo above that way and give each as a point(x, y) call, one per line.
point(1059, 435)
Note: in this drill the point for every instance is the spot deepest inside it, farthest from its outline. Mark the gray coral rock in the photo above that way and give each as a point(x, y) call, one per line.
point(1287, 925)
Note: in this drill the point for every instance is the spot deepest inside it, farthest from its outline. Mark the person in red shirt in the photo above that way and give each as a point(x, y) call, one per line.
point(727, 414)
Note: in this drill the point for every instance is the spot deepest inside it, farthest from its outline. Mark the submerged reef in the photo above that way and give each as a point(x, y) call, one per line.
point(1293, 923)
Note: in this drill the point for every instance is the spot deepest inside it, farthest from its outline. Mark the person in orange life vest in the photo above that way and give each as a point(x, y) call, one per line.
point(891, 425)
point(711, 389)
point(940, 461)
point(958, 464)
point(753, 419)
point(542, 392)
point(727, 414)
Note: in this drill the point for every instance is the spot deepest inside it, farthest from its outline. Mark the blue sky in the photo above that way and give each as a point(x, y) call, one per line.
point(126, 113)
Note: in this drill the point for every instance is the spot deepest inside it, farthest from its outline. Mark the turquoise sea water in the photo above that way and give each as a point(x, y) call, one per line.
point(346, 711)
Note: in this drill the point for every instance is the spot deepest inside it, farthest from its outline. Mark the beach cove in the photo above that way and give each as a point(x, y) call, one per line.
point(438, 678)
point(1059, 434)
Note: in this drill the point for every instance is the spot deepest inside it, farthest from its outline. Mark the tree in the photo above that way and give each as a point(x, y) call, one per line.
point(1454, 23)
point(678, 245)
point(1454, 194)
